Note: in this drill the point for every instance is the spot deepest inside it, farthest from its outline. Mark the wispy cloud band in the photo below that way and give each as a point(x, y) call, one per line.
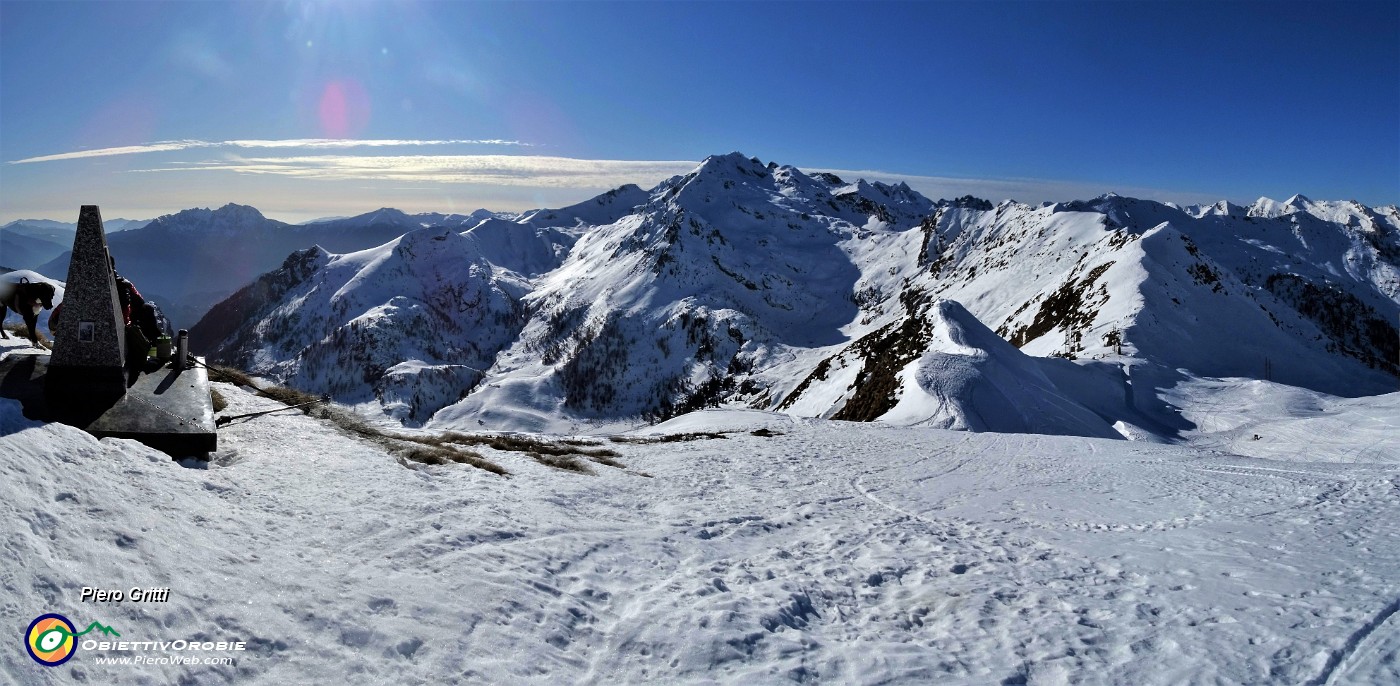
point(309, 143)
point(524, 171)
point(565, 172)
point(498, 170)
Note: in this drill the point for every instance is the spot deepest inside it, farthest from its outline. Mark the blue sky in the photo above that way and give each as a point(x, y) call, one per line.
point(308, 109)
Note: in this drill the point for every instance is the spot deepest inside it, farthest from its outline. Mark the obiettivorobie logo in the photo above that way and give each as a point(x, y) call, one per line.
point(52, 639)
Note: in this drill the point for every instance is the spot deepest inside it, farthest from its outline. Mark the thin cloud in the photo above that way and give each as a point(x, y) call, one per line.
point(352, 143)
point(165, 146)
point(499, 170)
point(561, 172)
point(311, 143)
point(564, 172)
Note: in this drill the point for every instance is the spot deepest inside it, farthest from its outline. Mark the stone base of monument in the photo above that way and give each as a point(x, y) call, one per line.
point(167, 409)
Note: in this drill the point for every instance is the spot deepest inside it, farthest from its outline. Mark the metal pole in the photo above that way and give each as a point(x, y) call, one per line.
point(182, 349)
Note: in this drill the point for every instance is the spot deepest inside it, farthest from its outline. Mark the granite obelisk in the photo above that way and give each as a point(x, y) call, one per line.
point(89, 351)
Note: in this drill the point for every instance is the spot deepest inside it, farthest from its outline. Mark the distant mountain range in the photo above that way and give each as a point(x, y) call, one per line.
point(30, 243)
point(758, 284)
point(190, 260)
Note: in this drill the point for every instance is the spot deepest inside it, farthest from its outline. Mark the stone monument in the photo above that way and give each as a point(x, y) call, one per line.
point(89, 352)
point(89, 382)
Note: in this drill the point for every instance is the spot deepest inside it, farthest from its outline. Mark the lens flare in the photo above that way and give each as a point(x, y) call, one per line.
point(344, 109)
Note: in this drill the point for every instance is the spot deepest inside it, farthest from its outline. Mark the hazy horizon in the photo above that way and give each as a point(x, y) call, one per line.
point(508, 199)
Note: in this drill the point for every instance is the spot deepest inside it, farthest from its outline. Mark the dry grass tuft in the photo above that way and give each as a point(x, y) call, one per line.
point(287, 396)
point(229, 375)
point(670, 438)
point(604, 459)
point(566, 462)
point(562, 454)
point(19, 329)
point(409, 449)
point(218, 399)
point(450, 447)
point(426, 454)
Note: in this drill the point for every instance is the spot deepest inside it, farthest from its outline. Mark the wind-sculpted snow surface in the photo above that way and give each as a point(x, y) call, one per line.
point(971, 379)
point(733, 547)
point(751, 284)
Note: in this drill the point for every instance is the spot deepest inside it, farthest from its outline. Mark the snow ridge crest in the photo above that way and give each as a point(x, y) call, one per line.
point(758, 284)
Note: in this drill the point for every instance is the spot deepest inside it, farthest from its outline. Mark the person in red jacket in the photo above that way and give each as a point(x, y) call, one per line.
point(135, 309)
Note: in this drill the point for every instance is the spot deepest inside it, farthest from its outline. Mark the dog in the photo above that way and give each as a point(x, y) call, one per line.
point(25, 298)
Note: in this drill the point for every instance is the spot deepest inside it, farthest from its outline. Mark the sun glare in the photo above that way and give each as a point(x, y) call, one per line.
point(344, 109)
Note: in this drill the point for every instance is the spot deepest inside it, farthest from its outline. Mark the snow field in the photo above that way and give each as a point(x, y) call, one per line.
point(825, 551)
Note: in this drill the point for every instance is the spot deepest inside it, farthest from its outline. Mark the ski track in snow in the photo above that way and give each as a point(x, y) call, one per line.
point(1368, 650)
point(834, 553)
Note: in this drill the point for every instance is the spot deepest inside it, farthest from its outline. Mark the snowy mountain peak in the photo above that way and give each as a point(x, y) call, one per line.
point(1223, 208)
point(436, 238)
point(236, 212)
point(876, 190)
point(229, 219)
point(731, 164)
point(1299, 201)
point(971, 202)
point(1268, 208)
point(732, 167)
point(387, 215)
point(478, 215)
point(623, 197)
point(860, 186)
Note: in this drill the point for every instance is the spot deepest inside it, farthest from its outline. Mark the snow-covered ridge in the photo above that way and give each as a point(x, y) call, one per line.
point(757, 284)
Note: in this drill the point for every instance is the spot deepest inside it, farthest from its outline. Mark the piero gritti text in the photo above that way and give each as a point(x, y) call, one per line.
point(135, 595)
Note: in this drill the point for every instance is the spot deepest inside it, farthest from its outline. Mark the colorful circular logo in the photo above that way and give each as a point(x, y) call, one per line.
point(50, 641)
